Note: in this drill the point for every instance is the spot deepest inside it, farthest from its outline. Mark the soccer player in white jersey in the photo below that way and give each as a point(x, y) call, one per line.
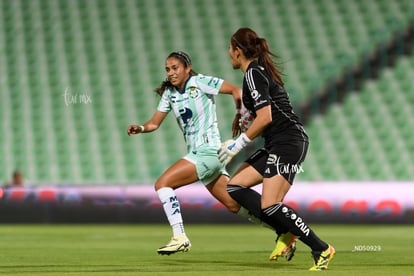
point(191, 98)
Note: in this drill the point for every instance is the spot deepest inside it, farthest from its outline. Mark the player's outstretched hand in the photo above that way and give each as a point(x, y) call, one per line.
point(134, 129)
point(232, 147)
point(227, 151)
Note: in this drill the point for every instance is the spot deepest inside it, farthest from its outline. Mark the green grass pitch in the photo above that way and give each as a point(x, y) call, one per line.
point(217, 250)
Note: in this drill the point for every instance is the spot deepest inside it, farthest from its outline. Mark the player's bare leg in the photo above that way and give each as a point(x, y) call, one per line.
point(179, 174)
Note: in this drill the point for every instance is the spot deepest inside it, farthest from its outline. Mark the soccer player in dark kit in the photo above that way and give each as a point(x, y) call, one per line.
point(285, 145)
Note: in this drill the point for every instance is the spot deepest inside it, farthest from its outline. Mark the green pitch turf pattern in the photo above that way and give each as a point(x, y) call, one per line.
point(217, 250)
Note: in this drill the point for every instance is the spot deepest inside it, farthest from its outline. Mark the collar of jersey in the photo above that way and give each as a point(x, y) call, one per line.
point(185, 85)
point(252, 64)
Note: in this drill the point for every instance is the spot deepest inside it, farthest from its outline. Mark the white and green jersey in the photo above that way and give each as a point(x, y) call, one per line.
point(195, 110)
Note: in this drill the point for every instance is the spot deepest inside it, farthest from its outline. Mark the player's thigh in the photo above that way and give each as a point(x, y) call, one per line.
point(218, 188)
point(181, 173)
point(246, 176)
point(251, 171)
point(274, 190)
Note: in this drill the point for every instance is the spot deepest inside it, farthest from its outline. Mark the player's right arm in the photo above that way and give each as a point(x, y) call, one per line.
point(149, 126)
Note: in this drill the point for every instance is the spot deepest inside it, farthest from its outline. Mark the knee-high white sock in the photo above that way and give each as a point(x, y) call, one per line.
point(172, 209)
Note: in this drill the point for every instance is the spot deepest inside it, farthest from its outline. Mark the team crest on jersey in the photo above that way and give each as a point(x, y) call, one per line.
point(193, 92)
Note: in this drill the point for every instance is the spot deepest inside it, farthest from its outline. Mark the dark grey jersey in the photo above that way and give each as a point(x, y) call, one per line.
point(260, 90)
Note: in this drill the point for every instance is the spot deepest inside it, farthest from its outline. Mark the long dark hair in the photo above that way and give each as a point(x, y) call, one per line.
point(255, 47)
point(185, 60)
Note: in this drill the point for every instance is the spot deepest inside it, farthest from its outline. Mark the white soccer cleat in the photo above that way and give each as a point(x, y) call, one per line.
point(176, 244)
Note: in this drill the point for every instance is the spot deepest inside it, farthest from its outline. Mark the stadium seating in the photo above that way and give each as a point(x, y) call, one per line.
point(79, 72)
point(368, 136)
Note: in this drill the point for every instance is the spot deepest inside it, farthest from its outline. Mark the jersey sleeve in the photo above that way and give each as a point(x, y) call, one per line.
point(258, 86)
point(209, 84)
point(164, 104)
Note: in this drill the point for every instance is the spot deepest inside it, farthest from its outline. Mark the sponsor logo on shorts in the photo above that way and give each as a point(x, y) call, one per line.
point(281, 167)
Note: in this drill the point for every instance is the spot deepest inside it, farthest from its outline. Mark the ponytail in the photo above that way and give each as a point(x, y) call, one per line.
point(265, 60)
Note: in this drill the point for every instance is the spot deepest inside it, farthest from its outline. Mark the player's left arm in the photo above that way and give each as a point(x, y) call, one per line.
point(236, 92)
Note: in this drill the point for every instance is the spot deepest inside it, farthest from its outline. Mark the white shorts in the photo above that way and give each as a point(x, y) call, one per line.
point(207, 164)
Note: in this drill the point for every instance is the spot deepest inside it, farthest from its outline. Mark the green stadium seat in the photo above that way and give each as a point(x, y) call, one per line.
point(382, 137)
point(115, 50)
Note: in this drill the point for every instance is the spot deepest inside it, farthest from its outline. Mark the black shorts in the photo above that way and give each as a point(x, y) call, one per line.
point(282, 159)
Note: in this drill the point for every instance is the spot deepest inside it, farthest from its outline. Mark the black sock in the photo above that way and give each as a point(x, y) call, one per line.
point(290, 219)
point(250, 199)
